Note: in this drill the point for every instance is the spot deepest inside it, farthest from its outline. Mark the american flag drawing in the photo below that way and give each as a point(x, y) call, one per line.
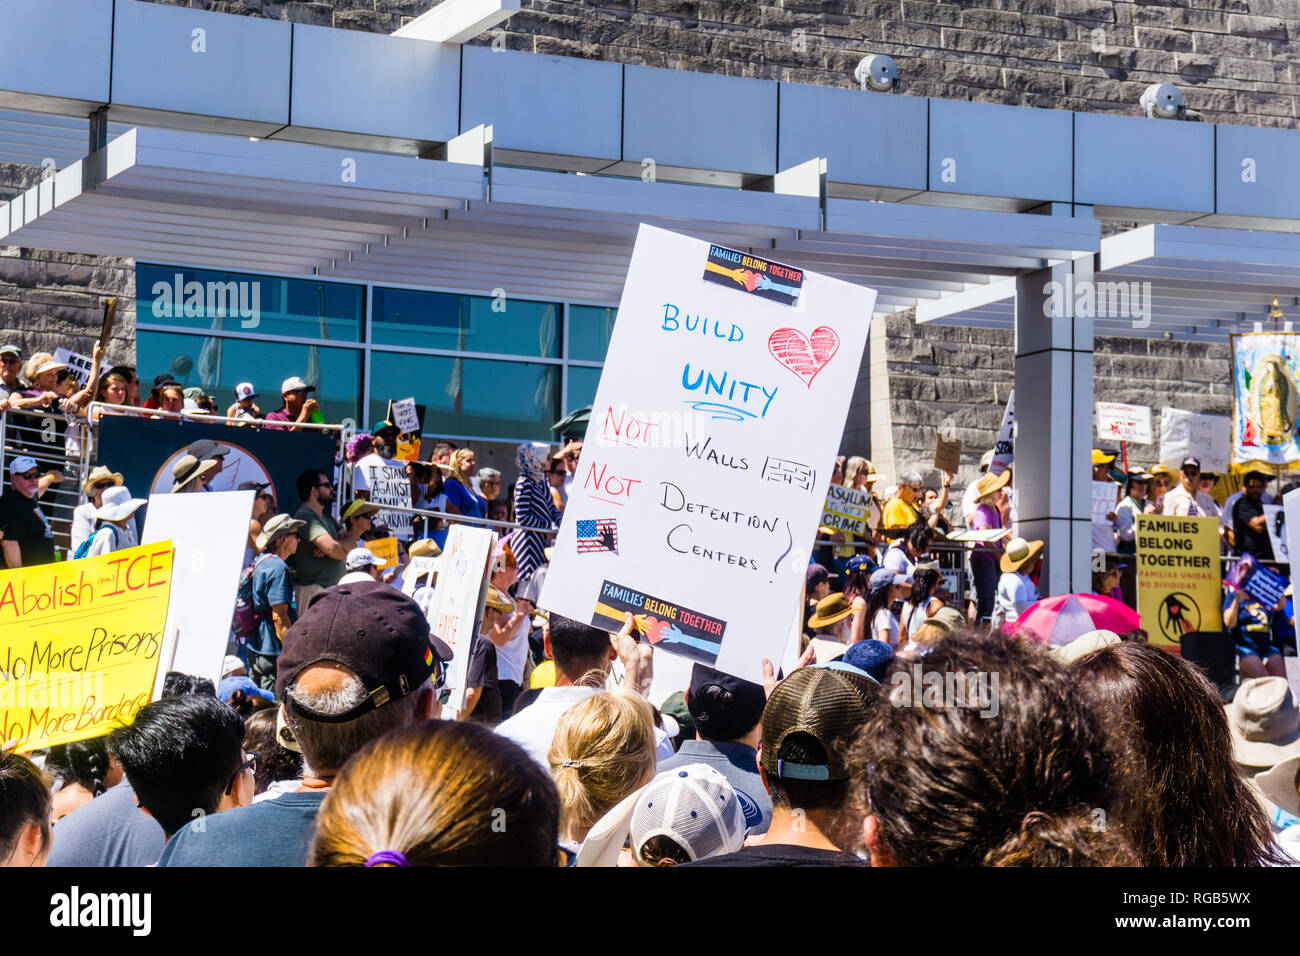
point(597, 534)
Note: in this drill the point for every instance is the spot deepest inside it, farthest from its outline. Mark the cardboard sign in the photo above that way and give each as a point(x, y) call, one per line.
point(1180, 588)
point(1190, 435)
point(719, 412)
point(1131, 423)
point(80, 644)
point(846, 509)
point(1103, 504)
point(405, 417)
point(79, 366)
point(1275, 515)
point(457, 606)
point(209, 532)
point(947, 454)
point(384, 549)
point(1004, 452)
point(387, 483)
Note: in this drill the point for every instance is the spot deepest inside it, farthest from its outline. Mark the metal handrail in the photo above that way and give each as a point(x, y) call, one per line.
point(202, 417)
point(467, 519)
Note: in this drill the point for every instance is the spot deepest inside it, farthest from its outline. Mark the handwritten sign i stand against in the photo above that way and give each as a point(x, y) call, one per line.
point(707, 461)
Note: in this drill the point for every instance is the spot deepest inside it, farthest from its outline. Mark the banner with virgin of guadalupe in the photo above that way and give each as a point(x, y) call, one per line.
point(1265, 381)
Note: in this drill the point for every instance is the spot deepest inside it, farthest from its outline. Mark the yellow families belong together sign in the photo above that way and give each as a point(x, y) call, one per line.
point(80, 643)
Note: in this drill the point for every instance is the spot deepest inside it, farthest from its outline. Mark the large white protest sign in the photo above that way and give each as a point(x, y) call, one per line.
point(1189, 434)
point(1004, 452)
point(712, 438)
point(1291, 511)
point(846, 509)
point(1276, 518)
point(457, 607)
point(1103, 504)
point(386, 482)
point(405, 416)
point(209, 532)
point(1124, 422)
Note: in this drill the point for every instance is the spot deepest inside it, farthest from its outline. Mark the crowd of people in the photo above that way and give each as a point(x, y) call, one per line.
point(330, 740)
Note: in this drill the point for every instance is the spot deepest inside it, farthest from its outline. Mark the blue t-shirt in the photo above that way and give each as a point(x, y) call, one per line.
point(268, 833)
point(108, 831)
point(272, 584)
point(466, 502)
point(1254, 633)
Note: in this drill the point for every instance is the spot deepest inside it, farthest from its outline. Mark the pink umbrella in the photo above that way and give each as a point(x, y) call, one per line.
point(1059, 620)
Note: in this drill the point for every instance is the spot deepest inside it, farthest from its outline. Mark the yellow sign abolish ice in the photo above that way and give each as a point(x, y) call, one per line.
point(79, 644)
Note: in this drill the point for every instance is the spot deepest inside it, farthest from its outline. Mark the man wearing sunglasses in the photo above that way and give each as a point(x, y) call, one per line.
point(325, 544)
point(11, 363)
point(25, 535)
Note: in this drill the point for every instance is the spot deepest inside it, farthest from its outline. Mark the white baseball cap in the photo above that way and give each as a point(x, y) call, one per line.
point(244, 390)
point(295, 384)
point(359, 558)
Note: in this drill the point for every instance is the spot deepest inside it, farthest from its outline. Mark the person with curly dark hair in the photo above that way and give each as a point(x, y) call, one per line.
point(997, 760)
point(1184, 803)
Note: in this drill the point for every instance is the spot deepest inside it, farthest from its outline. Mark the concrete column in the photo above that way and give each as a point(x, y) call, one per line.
point(1053, 426)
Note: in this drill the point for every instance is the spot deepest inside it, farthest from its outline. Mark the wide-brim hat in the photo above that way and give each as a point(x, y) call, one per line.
point(187, 468)
point(118, 504)
point(830, 610)
point(207, 448)
point(1281, 785)
point(50, 366)
point(499, 601)
point(1265, 722)
point(98, 474)
point(989, 483)
point(424, 548)
point(947, 618)
point(1084, 644)
point(1019, 553)
point(278, 526)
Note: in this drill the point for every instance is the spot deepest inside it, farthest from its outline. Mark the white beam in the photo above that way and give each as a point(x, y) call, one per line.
point(455, 21)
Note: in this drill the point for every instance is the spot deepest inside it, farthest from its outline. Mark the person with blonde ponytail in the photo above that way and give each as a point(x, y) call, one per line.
point(603, 751)
point(439, 793)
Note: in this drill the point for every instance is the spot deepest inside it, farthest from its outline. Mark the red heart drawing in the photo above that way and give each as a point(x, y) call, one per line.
point(802, 355)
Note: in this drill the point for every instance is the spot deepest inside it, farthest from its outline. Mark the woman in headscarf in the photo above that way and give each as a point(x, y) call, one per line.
point(533, 508)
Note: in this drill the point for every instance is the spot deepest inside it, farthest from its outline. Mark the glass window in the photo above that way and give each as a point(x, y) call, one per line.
point(465, 323)
point(582, 387)
point(217, 365)
point(590, 327)
point(204, 299)
point(479, 397)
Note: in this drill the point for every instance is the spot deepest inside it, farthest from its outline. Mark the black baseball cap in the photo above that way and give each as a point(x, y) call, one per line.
point(166, 378)
point(374, 629)
point(731, 708)
point(253, 485)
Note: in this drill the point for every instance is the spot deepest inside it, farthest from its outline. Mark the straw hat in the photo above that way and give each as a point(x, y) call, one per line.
point(1019, 553)
point(424, 548)
point(989, 483)
point(1265, 722)
point(98, 474)
point(278, 526)
point(187, 468)
point(1281, 785)
point(947, 618)
point(499, 601)
point(1084, 644)
point(830, 610)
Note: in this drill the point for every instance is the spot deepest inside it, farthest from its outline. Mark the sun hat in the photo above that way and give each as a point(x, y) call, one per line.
point(1019, 553)
point(98, 474)
point(50, 366)
point(118, 504)
point(1099, 457)
point(359, 507)
point(280, 525)
point(1084, 644)
point(990, 483)
point(359, 558)
point(947, 619)
point(830, 610)
point(1281, 785)
point(294, 384)
point(207, 448)
point(376, 631)
point(187, 468)
point(830, 705)
point(1264, 721)
point(499, 601)
point(424, 548)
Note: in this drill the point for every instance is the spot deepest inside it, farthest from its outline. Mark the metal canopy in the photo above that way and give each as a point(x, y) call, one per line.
point(1199, 283)
point(263, 206)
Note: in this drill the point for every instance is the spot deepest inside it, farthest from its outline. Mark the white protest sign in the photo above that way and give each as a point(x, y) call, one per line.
point(846, 509)
point(1275, 516)
point(718, 416)
point(1103, 504)
point(385, 480)
point(419, 573)
point(405, 416)
point(1291, 509)
point(1207, 438)
point(79, 366)
point(1004, 452)
point(209, 532)
point(457, 606)
point(1124, 422)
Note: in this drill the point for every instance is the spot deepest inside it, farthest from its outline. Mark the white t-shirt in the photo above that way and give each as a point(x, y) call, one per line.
point(385, 480)
point(885, 619)
point(533, 728)
point(513, 654)
point(1016, 592)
